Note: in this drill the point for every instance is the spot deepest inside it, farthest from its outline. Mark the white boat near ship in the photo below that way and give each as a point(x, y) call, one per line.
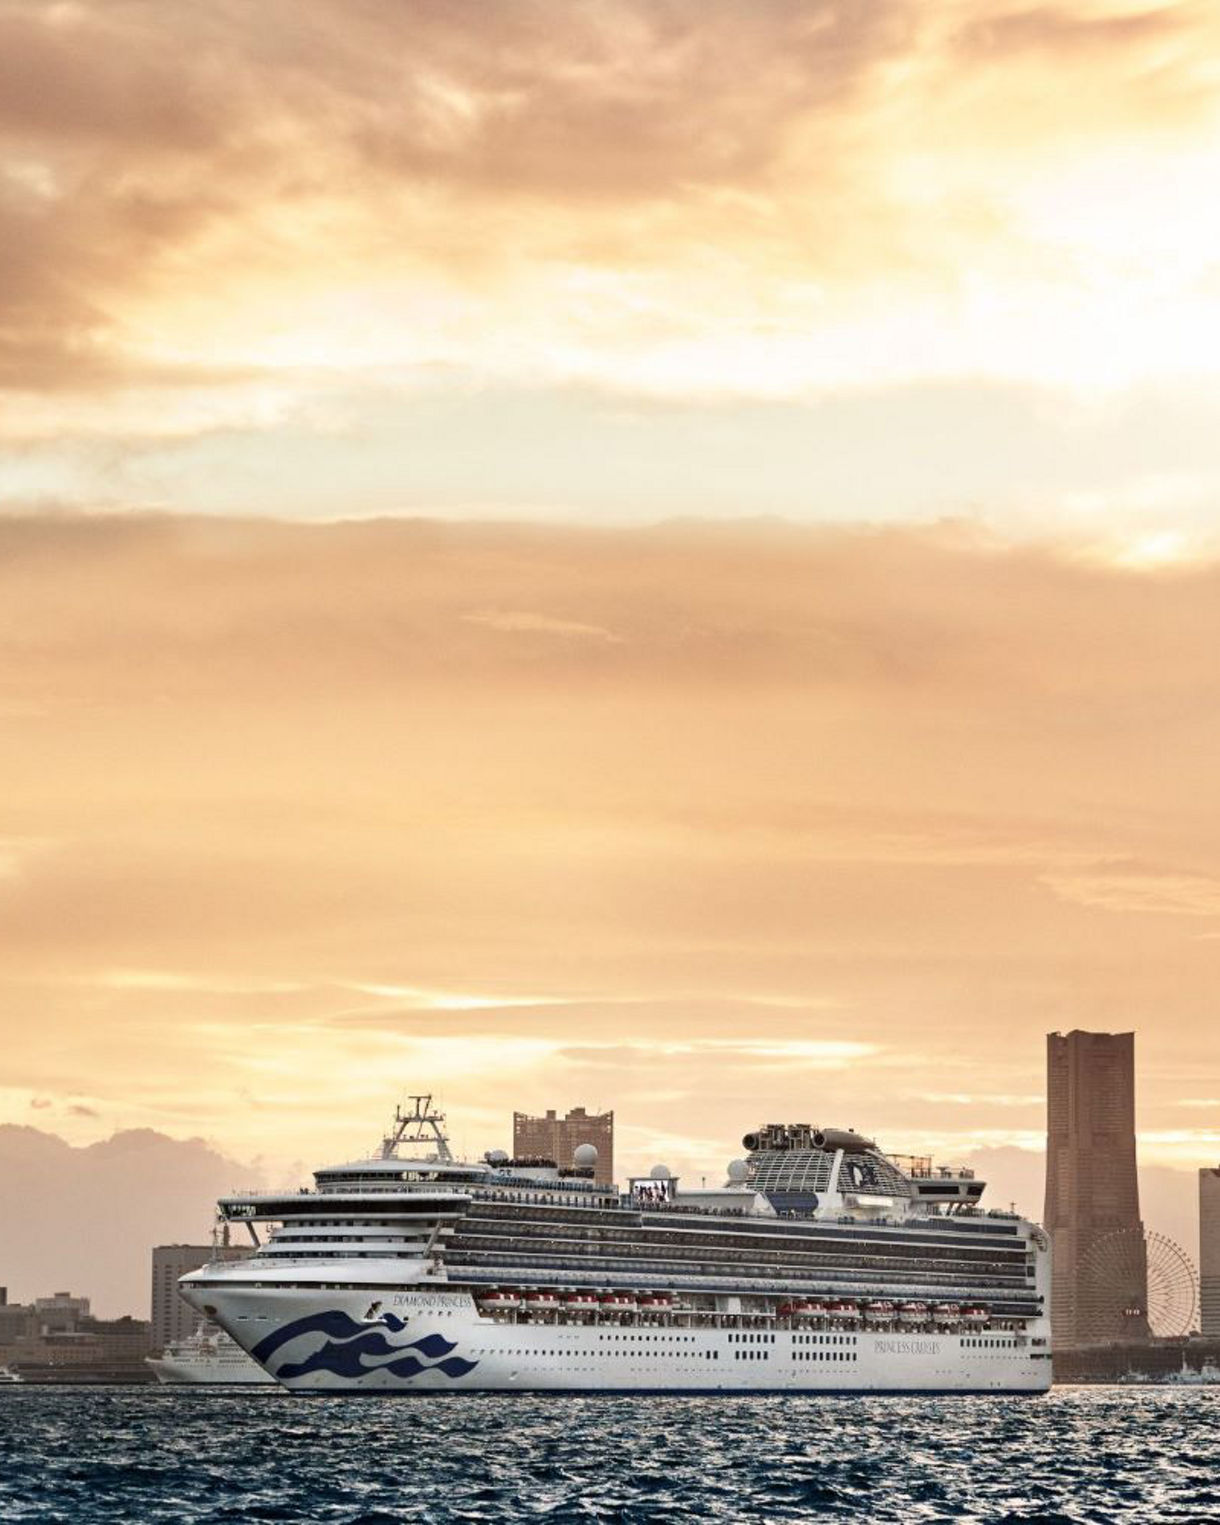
point(822, 1265)
point(1207, 1374)
point(9, 1377)
point(208, 1356)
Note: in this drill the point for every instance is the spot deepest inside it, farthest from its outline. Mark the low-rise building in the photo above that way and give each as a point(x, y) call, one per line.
point(58, 1337)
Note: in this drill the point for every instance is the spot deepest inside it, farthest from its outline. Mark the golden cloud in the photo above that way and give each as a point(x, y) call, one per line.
point(737, 199)
point(275, 807)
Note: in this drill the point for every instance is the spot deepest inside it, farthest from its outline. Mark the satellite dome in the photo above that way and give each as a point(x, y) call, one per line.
point(739, 1172)
point(496, 1157)
point(659, 1173)
point(584, 1156)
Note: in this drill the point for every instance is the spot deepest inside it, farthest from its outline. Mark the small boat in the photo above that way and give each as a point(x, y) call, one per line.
point(913, 1313)
point(946, 1313)
point(8, 1376)
point(618, 1302)
point(842, 1310)
point(542, 1300)
point(655, 1302)
point(975, 1313)
point(798, 1309)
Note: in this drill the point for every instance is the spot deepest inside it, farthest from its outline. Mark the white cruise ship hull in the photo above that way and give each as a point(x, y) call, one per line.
point(438, 1341)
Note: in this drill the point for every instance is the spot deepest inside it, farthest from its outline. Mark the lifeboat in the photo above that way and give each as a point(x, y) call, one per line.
point(912, 1313)
point(655, 1302)
point(499, 1299)
point(618, 1302)
point(581, 1302)
point(842, 1310)
point(975, 1313)
point(878, 1313)
point(542, 1300)
point(815, 1308)
point(797, 1309)
point(946, 1313)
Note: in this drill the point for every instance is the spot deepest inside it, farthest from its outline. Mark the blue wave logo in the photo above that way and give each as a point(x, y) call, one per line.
point(353, 1349)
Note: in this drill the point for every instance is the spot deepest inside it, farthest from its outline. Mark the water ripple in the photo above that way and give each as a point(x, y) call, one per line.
point(1080, 1456)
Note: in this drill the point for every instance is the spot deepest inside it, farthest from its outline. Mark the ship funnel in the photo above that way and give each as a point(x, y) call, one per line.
point(841, 1138)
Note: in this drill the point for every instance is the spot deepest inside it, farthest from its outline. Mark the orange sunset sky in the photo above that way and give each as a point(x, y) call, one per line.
point(651, 555)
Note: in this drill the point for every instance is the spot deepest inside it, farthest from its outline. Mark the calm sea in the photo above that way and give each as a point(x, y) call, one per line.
point(144, 1455)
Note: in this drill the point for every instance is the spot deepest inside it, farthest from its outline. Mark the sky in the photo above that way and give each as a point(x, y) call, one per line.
point(320, 258)
point(657, 556)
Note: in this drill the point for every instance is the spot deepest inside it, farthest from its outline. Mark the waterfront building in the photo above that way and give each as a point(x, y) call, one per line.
point(56, 1337)
point(173, 1320)
point(1092, 1190)
point(1209, 1250)
point(16, 1321)
point(558, 1138)
point(61, 1310)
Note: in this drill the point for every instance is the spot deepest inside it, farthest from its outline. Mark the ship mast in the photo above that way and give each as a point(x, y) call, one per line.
point(421, 1125)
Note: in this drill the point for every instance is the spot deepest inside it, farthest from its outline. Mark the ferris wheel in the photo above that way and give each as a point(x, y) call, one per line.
point(1133, 1284)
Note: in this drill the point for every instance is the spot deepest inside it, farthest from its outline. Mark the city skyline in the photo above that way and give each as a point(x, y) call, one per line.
point(103, 1206)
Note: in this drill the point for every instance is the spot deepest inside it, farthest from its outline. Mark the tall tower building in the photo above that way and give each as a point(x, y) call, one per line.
point(1092, 1190)
point(556, 1138)
point(1209, 1250)
point(172, 1318)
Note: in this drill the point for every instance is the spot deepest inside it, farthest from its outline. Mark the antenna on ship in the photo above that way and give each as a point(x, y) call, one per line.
point(421, 1125)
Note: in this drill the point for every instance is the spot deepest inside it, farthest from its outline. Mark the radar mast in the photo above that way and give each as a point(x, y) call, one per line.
point(421, 1125)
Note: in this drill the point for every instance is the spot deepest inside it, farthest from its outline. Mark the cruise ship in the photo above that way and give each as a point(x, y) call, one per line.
point(208, 1357)
point(821, 1265)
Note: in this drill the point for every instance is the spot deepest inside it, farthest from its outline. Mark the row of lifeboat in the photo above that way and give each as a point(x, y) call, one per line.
point(543, 1300)
point(884, 1312)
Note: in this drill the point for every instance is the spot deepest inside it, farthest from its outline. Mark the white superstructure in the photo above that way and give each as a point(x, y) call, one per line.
point(821, 1265)
point(209, 1356)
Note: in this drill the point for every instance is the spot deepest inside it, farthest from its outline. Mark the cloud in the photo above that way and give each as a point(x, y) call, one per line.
point(1105, 30)
point(541, 624)
point(1130, 888)
point(966, 1099)
point(91, 1215)
point(795, 846)
point(211, 213)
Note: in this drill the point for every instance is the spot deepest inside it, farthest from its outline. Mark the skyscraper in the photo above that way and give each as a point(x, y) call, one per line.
point(557, 1137)
point(1209, 1250)
point(172, 1318)
point(1099, 1291)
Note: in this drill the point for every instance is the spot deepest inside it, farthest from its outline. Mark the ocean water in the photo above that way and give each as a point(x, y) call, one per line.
point(146, 1455)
